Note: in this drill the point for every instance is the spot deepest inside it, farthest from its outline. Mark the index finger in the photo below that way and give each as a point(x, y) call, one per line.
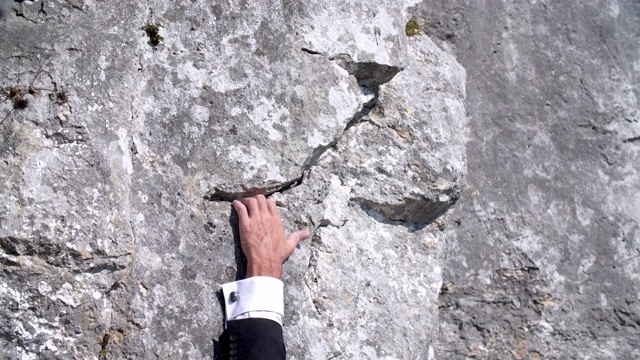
point(243, 215)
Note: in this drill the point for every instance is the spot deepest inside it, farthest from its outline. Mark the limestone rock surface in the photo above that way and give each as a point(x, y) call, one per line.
point(128, 126)
point(542, 253)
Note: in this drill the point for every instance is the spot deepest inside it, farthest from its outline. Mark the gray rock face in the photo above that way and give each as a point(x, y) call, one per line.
point(120, 151)
point(542, 255)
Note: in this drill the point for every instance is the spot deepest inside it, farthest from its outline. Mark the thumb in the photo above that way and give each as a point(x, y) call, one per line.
point(295, 238)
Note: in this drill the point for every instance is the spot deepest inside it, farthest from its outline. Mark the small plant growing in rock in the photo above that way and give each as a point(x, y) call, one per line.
point(20, 103)
point(412, 28)
point(14, 92)
point(153, 32)
point(62, 97)
point(16, 95)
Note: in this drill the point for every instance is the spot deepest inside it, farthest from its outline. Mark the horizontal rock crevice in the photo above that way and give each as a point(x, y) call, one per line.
point(267, 190)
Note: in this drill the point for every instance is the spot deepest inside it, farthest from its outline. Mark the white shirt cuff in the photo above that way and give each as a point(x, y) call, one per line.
point(255, 297)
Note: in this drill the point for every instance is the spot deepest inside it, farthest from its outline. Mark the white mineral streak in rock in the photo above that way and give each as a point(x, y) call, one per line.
point(336, 204)
point(266, 114)
point(372, 32)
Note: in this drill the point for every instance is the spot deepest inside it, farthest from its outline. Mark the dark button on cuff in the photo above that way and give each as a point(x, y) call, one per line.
point(233, 351)
point(233, 345)
point(233, 297)
point(232, 337)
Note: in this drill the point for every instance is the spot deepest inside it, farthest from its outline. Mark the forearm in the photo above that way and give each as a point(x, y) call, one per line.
point(261, 268)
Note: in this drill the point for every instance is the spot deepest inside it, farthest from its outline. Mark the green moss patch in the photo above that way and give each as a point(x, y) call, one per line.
point(153, 32)
point(412, 28)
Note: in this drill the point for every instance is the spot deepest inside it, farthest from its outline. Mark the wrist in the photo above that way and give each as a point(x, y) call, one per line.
point(264, 269)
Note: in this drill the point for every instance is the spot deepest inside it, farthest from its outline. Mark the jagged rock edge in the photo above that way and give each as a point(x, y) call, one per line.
point(381, 212)
point(55, 256)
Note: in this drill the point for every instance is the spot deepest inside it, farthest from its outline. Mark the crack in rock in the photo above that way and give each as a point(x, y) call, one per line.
point(267, 190)
point(369, 75)
point(633, 139)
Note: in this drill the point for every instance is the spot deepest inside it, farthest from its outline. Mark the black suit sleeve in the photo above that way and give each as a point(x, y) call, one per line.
point(252, 339)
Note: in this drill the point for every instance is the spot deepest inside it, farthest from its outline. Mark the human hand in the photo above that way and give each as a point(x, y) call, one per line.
point(262, 236)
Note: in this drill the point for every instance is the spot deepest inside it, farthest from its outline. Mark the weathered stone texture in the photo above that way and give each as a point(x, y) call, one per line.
point(543, 261)
point(116, 230)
